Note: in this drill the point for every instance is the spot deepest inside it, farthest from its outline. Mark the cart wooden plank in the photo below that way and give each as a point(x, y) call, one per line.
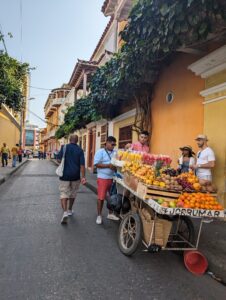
point(194, 213)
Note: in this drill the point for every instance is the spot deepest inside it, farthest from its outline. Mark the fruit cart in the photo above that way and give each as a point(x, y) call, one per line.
point(158, 227)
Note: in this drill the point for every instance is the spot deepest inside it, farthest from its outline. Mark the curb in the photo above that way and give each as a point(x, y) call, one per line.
point(91, 187)
point(88, 185)
point(6, 177)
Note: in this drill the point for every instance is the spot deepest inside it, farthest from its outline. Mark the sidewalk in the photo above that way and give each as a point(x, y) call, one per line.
point(6, 172)
point(212, 241)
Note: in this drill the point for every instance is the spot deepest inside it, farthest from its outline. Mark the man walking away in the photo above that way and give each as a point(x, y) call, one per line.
point(105, 173)
point(14, 152)
point(5, 154)
point(74, 164)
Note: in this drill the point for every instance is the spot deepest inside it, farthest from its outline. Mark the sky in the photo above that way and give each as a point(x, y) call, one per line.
point(55, 33)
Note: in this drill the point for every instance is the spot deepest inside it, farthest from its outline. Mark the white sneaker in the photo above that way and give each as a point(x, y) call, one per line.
point(99, 220)
point(70, 213)
point(64, 218)
point(112, 217)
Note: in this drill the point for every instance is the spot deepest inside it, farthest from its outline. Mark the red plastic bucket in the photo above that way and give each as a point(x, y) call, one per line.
point(195, 262)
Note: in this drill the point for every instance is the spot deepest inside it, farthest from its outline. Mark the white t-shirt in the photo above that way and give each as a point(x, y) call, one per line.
point(203, 157)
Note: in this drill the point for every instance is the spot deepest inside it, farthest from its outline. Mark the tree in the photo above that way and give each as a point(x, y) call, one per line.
point(12, 77)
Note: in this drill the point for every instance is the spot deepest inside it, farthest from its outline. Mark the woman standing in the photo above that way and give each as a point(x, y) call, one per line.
point(186, 160)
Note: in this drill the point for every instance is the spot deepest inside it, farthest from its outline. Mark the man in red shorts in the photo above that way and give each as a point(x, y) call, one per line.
point(105, 173)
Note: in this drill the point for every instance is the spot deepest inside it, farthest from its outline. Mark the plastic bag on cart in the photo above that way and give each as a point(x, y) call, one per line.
point(113, 190)
point(126, 206)
point(114, 203)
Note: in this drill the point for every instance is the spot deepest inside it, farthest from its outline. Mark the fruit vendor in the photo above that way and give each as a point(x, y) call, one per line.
point(141, 145)
point(105, 173)
point(205, 160)
point(186, 160)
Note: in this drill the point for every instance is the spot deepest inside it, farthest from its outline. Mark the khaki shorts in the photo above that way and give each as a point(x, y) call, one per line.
point(68, 189)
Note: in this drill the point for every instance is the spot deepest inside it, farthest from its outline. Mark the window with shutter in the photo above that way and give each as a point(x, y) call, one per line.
point(125, 136)
point(103, 135)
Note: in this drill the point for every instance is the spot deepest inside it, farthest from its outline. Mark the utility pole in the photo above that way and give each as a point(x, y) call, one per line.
point(21, 121)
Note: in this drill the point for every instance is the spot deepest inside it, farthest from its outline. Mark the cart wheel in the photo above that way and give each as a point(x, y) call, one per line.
point(185, 229)
point(130, 233)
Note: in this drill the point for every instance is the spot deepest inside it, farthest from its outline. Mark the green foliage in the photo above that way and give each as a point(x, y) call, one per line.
point(107, 87)
point(156, 29)
point(12, 76)
point(77, 116)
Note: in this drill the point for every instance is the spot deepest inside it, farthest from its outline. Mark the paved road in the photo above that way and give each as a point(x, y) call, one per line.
point(40, 259)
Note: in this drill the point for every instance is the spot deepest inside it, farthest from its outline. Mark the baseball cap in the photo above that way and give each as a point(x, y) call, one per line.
point(202, 137)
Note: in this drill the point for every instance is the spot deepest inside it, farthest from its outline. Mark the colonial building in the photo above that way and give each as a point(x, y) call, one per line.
point(211, 69)
point(93, 137)
point(52, 107)
point(42, 142)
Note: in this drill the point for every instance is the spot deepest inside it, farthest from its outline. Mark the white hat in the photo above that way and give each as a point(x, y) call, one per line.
point(202, 137)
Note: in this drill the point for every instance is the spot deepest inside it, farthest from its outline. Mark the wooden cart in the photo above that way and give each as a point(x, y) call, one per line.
point(162, 228)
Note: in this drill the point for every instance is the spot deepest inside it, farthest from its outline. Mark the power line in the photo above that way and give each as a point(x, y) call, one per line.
point(39, 88)
point(47, 122)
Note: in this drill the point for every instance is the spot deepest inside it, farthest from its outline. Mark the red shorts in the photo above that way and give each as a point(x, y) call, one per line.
point(103, 187)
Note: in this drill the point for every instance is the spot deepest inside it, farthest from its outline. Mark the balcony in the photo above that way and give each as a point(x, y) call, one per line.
point(52, 105)
point(49, 135)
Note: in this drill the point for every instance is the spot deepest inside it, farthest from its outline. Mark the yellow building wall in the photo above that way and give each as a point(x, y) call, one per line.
point(214, 128)
point(9, 133)
point(124, 123)
point(216, 79)
point(178, 123)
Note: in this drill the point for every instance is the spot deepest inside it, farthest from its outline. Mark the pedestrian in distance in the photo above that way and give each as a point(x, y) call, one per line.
point(5, 153)
point(14, 152)
point(74, 167)
point(105, 173)
point(20, 153)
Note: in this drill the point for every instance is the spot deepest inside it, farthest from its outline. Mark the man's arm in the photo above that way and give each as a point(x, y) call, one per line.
point(209, 165)
point(98, 158)
point(60, 155)
point(82, 168)
point(128, 146)
point(105, 166)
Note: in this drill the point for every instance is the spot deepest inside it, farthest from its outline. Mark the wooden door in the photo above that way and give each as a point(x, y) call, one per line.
point(92, 147)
